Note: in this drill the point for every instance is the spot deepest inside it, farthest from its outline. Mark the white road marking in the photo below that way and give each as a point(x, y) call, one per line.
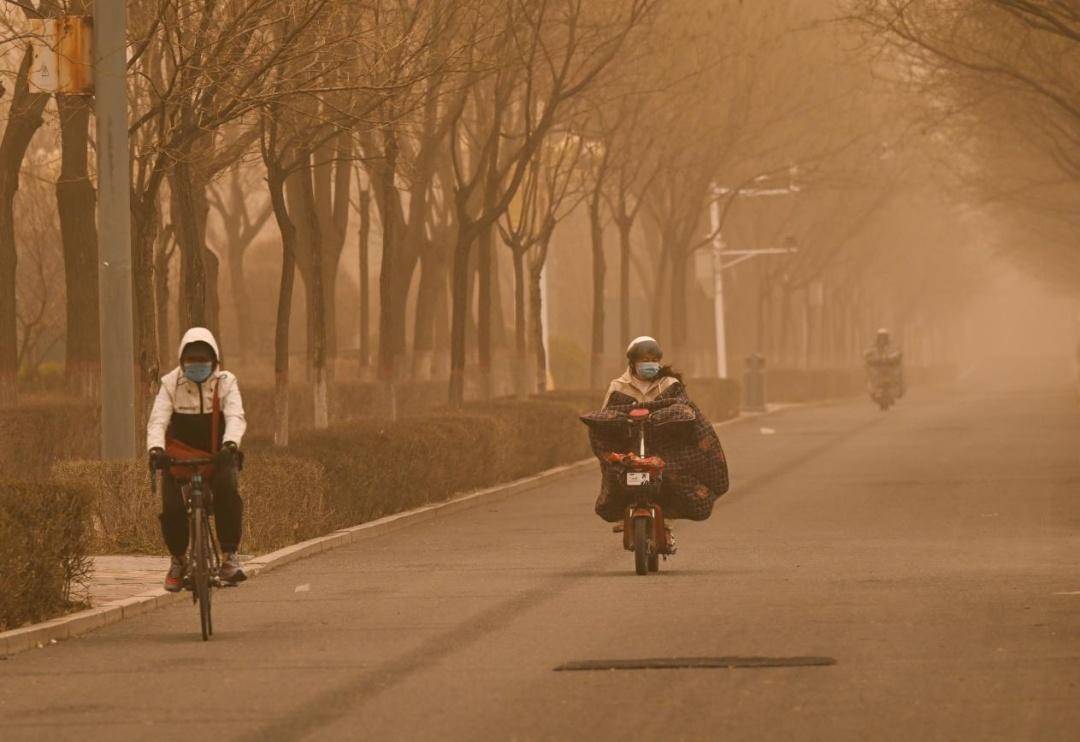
point(768, 431)
point(1069, 592)
point(302, 588)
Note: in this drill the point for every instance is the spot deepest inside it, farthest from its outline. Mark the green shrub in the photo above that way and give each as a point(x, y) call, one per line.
point(284, 502)
point(44, 550)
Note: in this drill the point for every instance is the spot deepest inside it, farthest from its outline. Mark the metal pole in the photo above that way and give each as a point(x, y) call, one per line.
point(718, 290)
point(114, 232)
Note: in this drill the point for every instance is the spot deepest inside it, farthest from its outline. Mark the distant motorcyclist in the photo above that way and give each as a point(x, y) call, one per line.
point(884, 366)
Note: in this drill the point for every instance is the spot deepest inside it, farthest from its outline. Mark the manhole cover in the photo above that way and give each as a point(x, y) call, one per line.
point(694, 663)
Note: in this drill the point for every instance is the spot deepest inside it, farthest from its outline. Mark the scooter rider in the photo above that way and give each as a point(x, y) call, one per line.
point(884, 364)
point(696, 469)
point(645, 379)
point(181, 423)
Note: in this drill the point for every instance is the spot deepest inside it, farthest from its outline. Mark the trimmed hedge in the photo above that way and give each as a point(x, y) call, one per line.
point(719, 399)
point(375, 470)
point(44, 550)
point(285, 501)
point(36, 433)
point(347, 400)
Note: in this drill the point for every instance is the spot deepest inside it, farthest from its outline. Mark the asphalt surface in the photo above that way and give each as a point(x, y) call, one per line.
point(932, 551)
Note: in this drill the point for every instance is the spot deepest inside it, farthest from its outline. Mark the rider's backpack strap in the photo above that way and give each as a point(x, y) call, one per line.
point(215, 409)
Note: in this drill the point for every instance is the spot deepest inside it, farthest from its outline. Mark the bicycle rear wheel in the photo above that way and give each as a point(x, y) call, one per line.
point(201, 572)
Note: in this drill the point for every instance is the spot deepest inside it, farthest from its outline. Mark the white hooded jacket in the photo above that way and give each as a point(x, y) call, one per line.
point(180, 395)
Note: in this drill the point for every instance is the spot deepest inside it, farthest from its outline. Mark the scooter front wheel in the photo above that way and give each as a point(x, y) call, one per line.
point(641, 545)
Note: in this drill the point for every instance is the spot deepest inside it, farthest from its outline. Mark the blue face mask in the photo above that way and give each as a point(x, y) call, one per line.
point(198, 372)
point(647, 369)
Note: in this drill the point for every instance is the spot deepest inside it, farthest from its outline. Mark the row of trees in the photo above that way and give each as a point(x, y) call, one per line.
point(457, 126)
point(999, 81)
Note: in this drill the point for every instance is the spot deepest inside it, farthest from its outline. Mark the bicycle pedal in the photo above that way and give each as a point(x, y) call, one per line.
point(617, 528)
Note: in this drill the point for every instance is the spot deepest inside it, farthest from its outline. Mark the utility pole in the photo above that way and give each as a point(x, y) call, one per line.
point(114, 232)
point(720, 251)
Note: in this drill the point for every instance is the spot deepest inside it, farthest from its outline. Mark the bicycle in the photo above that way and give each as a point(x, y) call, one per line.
point(204, 553)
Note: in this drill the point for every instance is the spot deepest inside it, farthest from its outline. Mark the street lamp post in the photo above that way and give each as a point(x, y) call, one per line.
point(720, 252)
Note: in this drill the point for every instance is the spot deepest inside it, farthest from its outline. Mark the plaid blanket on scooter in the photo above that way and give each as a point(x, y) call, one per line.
point(696, 471)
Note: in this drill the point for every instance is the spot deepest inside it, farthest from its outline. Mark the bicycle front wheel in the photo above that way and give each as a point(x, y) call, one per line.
point(201, 572)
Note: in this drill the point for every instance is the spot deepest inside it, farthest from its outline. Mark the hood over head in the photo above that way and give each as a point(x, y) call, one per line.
point(196, 335)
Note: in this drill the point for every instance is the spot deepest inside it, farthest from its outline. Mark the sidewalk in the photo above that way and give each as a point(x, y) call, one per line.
point(117, 578)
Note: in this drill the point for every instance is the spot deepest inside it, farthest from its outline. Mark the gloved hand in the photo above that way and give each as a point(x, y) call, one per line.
point(157, 459)
point(225, 457)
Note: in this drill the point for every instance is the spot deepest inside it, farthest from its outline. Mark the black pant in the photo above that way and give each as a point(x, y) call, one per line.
point(227, 508)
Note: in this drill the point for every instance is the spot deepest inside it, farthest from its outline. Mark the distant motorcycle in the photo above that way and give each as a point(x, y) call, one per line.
point(643, 528)
point(885, 379)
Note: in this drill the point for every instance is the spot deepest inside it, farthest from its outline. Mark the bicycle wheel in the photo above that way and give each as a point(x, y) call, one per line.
point(641, 545)
point(201, 573)
point(212, 569)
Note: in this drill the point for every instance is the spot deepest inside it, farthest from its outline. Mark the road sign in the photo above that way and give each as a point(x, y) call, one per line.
point(62, 55)
point(45, 65)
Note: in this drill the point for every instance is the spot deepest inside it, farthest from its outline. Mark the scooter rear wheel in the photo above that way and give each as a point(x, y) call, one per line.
point(641, 545)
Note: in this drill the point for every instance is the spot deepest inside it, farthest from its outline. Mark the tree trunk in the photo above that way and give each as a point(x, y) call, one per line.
point(440, 364)
point(599, 273)
point(460, 299)
point(364, 360)
point(145, 224)
point(317, 301)
point(536, 323)
point(521, 352)
point(483, 319)
point(679, 263)
point(431, 291)
point(189, 211)
point(276, 187)
point(625, 334)
point(241, 300)
point(76, 202)
point(24, 119)
point(162, 254)
point(388, 350)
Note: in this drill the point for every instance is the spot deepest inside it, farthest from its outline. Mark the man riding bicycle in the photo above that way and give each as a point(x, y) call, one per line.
point(182, 425)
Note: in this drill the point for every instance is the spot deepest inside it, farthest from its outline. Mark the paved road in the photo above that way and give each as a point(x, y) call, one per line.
point(933, 552)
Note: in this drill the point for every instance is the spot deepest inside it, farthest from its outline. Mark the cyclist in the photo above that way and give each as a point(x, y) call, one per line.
point(182, 425)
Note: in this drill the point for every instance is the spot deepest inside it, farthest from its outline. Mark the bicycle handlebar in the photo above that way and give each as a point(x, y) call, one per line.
point(188, 463)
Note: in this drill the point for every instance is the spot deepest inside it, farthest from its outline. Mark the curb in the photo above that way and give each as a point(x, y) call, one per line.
point(65, 627)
